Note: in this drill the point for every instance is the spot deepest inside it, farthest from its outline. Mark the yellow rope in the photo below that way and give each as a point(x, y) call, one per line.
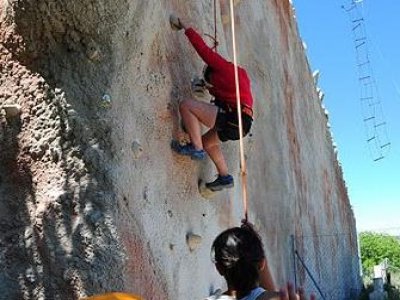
point(239, 112)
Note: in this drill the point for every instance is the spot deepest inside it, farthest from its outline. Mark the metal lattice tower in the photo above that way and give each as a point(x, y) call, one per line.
point(372, 112)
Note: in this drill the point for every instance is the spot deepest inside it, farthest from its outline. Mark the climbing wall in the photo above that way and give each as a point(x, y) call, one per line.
point(91, 197)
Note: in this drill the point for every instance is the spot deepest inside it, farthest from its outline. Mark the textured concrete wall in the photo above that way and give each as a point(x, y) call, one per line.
point(93, 199)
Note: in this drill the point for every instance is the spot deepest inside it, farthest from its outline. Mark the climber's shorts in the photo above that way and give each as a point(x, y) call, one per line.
point(227, 123)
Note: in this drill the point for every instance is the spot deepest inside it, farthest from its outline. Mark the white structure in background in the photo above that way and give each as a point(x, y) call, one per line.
point(380, 272)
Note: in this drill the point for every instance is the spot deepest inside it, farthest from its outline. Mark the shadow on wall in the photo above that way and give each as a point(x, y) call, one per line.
point(16, 188)
point(58, 227)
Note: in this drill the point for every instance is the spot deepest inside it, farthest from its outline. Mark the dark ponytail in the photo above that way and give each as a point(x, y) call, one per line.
point(237, 253)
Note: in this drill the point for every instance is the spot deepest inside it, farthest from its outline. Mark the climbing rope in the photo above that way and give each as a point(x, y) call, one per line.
point(239, 112)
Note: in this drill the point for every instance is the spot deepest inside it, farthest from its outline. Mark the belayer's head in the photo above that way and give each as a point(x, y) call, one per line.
point(238, 254)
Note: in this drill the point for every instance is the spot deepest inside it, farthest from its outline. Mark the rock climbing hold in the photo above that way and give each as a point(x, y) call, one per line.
point(204, 191)
point(93, 53)
point(198, 87)
point(12, 110)
point(93, 49)
point(175, 22)
point(193, 241)
point(137, 149)
point(106, 101)
point(216, 295)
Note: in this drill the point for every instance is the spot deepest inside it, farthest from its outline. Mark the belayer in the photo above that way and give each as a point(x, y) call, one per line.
point(239, 256)
point(221, 115)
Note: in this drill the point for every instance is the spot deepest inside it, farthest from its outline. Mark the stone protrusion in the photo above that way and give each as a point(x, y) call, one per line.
point(12, 110)
point(105, 101)
point(193, 241)
point(93, 52)
point(137, 149)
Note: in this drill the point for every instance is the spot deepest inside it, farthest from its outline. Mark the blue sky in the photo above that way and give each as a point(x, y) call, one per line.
point(374, 187)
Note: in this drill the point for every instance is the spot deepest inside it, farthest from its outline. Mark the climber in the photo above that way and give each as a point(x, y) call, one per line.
point(239, 256)
point(221, 116)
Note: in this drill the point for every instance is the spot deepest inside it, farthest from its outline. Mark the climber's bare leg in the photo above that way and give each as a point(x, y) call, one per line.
point(212, 145)
point(194, 113)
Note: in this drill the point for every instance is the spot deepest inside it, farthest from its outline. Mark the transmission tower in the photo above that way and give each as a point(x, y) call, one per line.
point(371, 106)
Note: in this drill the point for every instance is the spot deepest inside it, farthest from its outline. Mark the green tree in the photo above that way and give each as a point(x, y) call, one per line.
point(375, 247)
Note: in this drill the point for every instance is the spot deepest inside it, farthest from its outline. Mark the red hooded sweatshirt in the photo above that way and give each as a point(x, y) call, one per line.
point(222, 77)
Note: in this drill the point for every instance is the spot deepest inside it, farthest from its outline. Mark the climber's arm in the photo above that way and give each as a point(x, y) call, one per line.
point(210, 57)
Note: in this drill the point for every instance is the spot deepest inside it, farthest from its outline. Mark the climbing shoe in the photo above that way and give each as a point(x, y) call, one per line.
point(188, 150)
point(222, 182)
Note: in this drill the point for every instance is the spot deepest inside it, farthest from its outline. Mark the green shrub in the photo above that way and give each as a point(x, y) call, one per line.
point(375, 247)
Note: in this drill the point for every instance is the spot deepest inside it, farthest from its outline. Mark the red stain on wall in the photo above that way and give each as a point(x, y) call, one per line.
point(284, 13)
point(294, 145)
point(141, 271)
point(301, 207)
point(327, 189)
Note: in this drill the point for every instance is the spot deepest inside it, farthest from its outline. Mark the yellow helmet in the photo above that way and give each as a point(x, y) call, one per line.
point(114, 296)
